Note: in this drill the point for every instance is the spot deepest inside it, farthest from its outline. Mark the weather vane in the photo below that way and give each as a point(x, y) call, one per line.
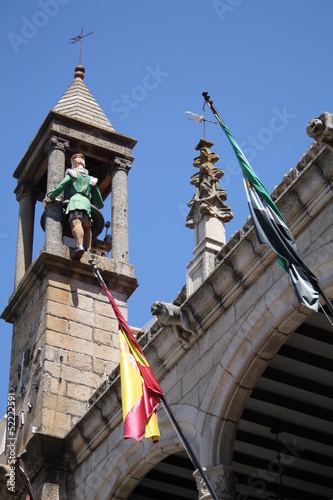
point(79, 38)
point(198, 118)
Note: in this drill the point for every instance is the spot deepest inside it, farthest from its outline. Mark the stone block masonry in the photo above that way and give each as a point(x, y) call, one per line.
point(65, 343)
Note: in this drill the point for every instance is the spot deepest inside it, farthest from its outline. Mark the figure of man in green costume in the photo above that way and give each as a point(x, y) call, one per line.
point(83, 190)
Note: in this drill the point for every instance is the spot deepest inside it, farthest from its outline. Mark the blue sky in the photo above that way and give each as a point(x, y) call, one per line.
point(266, 64)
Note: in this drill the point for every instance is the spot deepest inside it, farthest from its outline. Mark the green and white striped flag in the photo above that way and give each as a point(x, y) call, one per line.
point(272, 230)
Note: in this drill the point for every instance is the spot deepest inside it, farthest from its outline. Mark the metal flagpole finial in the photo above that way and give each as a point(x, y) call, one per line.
point(79, 38)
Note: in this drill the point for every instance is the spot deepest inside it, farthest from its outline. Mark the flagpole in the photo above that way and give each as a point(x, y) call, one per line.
point(315, 283)
point(320, 289)
point(211, 104)
point(25, 479)
point(181, 435)
point(189, 450)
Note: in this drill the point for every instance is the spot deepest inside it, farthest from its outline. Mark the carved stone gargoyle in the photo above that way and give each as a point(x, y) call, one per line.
point(321, 129)
point(171, 315)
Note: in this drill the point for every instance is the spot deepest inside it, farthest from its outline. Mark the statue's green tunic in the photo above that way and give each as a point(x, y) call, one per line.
point(82, 190)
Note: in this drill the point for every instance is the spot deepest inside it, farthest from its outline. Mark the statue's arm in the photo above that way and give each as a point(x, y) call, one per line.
point(60, 188)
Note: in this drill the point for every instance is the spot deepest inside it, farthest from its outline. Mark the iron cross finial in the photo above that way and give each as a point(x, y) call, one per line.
point(79, 38)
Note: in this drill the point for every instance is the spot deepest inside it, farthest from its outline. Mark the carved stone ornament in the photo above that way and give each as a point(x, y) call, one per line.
point(321, 129)
point(209, 197)
point(122, 164)
point(222, 480)
point(169, 314)
point(57, 143)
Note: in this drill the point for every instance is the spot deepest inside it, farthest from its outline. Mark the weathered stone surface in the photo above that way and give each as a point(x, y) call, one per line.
point(50, 492)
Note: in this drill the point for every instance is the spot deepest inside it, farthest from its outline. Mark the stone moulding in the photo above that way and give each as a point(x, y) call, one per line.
point(55, 257)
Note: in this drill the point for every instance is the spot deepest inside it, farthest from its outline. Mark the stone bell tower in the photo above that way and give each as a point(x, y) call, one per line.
point(65, 336)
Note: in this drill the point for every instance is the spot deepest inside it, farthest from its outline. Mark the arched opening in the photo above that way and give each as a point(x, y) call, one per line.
point(170, 478)
point(283, 445)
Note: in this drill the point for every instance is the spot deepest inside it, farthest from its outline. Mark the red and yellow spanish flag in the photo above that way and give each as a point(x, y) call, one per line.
point(139, 401)
point(140, 391)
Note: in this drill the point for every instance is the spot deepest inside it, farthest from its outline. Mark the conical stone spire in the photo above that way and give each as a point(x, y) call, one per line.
point(78, 103)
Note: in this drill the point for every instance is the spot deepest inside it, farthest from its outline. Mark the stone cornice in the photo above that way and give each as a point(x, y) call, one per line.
point(55, 258)
point(73, 130)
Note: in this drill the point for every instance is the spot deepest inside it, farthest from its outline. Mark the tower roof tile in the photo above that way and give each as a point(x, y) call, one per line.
point(78, 103)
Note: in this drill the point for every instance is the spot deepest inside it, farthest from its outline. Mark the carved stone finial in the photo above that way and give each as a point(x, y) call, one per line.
point(209, 197)
point(321, 129)
point(207, 158)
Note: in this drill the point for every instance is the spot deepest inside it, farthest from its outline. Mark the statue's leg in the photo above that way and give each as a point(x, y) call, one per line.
point(77, 232)
point(81, 231)
point(87, 239)
point(86, 224)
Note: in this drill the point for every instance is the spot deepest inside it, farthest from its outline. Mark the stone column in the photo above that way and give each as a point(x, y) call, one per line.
point(119, 173)
point(26, 196)
point(222, 480)
point(56, 149)
point(50, 491)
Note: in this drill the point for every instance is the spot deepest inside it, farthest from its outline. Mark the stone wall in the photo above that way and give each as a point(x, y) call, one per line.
point(65, 342)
